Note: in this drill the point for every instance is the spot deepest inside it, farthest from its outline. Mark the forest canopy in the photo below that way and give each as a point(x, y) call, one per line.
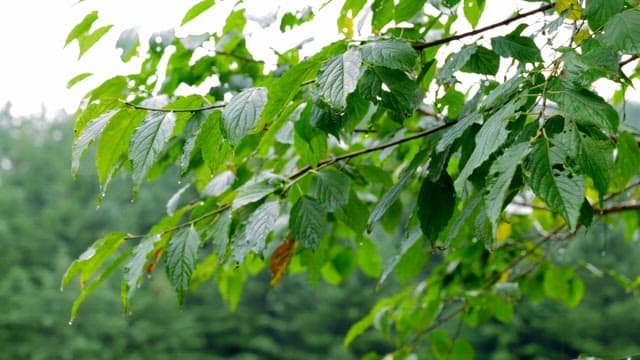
point(457, 162)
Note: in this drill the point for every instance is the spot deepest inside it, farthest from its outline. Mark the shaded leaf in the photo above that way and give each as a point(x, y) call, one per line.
point(181, 258)
point(622, 31)
point(555, 184)
point(307, 222)
point(521, 48)
point(598, 12)
point(500, 177)
point(436, 203)
point(332, 188)
point(584, 106)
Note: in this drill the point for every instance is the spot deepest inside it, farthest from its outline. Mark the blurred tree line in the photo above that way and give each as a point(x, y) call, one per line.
point(46, 218)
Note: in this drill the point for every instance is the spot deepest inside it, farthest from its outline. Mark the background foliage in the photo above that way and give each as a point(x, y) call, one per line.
point(376, 154)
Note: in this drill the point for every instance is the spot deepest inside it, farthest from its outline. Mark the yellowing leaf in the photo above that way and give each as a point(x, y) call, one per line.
point(503, 232)
point(573, 5)
point(280, 260)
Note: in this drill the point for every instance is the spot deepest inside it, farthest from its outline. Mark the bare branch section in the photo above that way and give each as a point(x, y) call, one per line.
point(424, 45)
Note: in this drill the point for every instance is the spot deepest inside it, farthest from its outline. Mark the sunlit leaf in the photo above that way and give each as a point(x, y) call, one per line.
point(243, 113)
point(196, 10)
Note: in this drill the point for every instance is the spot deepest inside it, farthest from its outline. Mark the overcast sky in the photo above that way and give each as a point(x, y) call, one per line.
point(35, 66)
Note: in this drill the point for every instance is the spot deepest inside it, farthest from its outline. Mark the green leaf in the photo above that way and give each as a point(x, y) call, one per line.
point(436, 203)
point(383, 13)
point(457, 130)
point(114, 142)
point(88, 136)
point(482, 61)
point(440, 343)
point(128, 42)
point(215, 150)
point(627, 163)
point(84, 294)
point(196, 10)
point(181, 257)
point(595, 158)
point(243, 113)
point(354, 213)
point(502, 93)
point(393, 54)
point(408, 9)
point(250, 193)
point(500, 177)
point(285, 88)
point(461, 350)
point(489, 139)
point(454, 63)
point(134, 268)
point(93, 258)
point(390, 87)
point(622, 31)
point(219, 232)
point(595, 62)
point(521, 48)
point(584, 106)
point(554, 183)
point(598, 12)
point(307, 222)
point(338, 78)
point(349, 11)
point(76, 79)
point(82, 27)
point(87, 41)
point(501, 309)
point(253, 237)
point(473, 11)
point(391, 262)
point(148, 142)
point(390, 197)
point(561, 283)
point(332, 188)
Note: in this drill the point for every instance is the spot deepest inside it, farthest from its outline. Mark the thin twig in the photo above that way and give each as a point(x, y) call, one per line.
point(424, 45)
point(354, 154)
point(618, 208)
point(629, 60)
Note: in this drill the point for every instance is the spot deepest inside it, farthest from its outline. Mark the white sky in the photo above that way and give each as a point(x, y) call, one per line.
point(35, 66)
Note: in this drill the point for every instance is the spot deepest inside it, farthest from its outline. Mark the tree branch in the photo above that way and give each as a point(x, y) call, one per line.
point(617, 208)
point(148, 108)
point(354, 154)
point(629, 60)
point(424, 45)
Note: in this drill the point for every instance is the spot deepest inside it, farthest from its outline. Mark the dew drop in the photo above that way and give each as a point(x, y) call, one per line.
point(70, 322)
